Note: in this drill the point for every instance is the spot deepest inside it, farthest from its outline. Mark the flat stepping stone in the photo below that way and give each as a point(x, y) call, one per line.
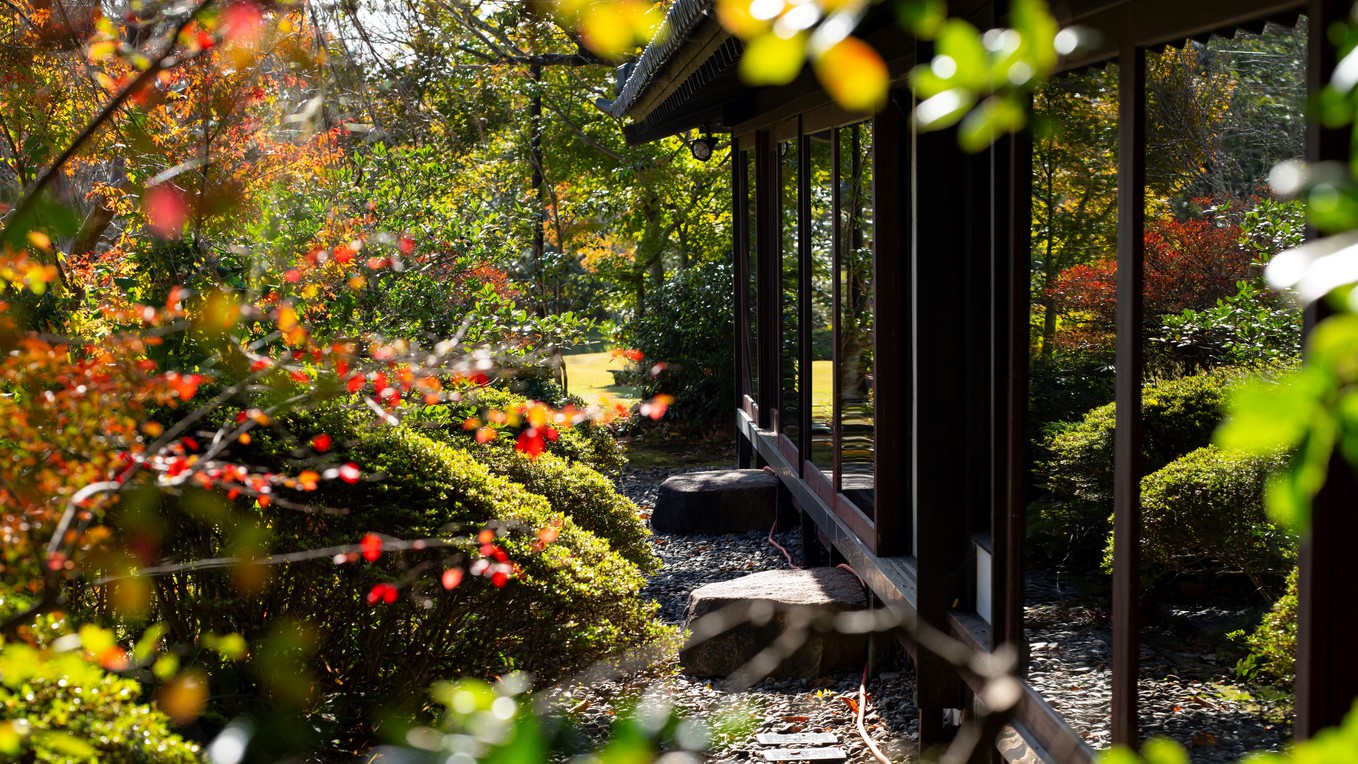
point(716, 502)
point(773, 600)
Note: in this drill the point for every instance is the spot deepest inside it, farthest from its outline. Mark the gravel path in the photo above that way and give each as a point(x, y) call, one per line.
point(770, 706)
point(1185, 693)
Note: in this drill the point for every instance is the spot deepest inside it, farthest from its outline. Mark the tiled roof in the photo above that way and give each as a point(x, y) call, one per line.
point(683, 17)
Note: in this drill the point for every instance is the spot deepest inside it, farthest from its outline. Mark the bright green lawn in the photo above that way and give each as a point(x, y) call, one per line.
point(822, 395)
point(587, 375)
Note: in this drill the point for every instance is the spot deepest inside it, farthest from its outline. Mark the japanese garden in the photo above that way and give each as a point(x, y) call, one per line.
point(696, 380)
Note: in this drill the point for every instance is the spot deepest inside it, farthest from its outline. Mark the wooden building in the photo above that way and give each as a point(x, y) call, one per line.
point(919, 252)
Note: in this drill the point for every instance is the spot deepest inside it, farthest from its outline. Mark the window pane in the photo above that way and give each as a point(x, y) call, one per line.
point(820, 185)
point(856, 334)
point(790, 366)
point(751, 280)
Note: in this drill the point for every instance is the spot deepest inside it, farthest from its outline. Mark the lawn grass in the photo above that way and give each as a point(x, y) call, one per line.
point(822, 392)
point(587, 375)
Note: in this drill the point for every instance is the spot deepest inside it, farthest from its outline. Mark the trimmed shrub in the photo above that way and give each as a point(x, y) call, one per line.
point(1204, 513)
point(589, 444)
point(580, 493)
point(569, 603)
point(1178, 416)
point(1273, 646)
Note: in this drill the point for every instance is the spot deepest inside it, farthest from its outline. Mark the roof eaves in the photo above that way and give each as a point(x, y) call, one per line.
point(682, 19)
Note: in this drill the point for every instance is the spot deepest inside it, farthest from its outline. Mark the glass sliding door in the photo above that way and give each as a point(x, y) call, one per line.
point(789, 410)
point(857, 295)
point(750, 383)
point(820, 189)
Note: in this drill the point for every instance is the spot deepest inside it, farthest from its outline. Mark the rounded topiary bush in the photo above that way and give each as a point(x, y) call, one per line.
point(575, 490)
point(568, 603)
point(1178, 416)
point(1204, 513)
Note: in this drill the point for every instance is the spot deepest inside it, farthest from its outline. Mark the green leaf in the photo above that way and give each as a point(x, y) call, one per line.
point(961, 42)
point(1266, 417)
point(773, 60)
point(1161, 750)
point(924, 18)
point(65, 743)
point(1033, 20)
point(96, 640)
point(943, 110)
point(996, 116)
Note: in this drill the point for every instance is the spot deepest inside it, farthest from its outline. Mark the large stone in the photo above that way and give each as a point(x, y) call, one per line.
point(761, 607)
point(716, 502)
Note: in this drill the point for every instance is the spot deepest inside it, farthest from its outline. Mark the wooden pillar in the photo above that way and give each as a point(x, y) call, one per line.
point(1127, 435)
point(938, 365)
point(766, 275)
point(1327, 664)
point(1010, 265)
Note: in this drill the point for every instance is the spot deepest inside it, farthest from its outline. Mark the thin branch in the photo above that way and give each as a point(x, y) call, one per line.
point(306, 555)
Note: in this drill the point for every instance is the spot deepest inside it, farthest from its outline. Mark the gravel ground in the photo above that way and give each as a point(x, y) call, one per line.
point(770, 706)
point(1185, 693)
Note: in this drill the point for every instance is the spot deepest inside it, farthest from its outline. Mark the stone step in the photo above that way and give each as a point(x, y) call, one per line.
point(716, 502)
point(772, 601)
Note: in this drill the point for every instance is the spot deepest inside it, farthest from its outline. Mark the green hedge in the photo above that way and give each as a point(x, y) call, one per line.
point(573, 602)
point(587, 443)
point(1204, 513)
point(1178, 416)
point(689, 324)
point(575, 490)
point(1273, 646)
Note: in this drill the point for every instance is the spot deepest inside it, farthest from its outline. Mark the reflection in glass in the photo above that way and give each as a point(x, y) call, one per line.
point(855, 389)
point(820, 186)
point(790, 356)
point(751, 281)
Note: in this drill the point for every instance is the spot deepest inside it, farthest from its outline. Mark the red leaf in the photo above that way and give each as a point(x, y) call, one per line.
point(530, 443)
point(451, 578)
point(371, 544)
point(499, 579)
point(166, 211)
point(383, 592)
point(656, 407)
point(321, 442)
point(355, 383)
point(242, 24)
point(406, 243)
